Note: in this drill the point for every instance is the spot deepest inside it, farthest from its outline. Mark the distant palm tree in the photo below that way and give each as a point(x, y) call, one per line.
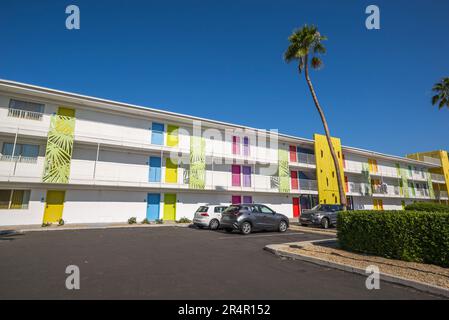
point(442, 93)
point(305, 44)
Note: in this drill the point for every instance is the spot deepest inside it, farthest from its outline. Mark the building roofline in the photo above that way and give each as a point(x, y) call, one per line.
point(106, 102)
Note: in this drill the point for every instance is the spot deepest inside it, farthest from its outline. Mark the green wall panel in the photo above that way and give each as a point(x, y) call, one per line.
point(284, 171)
point(58, 154)
point(197, 171)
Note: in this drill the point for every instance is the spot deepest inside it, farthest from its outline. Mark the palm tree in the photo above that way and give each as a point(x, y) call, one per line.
point(442, 93)
point(305, 44)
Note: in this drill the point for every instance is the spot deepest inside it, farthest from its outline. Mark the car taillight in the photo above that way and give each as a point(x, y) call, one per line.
point(204, 214)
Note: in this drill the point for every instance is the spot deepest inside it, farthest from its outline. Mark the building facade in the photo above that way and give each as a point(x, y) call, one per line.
point(88, 160)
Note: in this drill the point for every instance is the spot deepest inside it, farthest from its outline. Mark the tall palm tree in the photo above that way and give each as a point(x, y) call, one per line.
point(441, 96)
point(306, 44)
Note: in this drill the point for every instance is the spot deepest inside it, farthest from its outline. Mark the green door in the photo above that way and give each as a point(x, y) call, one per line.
point(170, 207)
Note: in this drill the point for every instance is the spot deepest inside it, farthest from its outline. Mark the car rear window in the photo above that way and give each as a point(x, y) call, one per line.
point(202, 209)
point(219, 209)
point(232, 209)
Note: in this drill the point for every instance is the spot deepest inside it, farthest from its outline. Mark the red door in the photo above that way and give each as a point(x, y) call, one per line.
point(293, 154)
point(296, 208)
point(294, 179)
point(236, 199)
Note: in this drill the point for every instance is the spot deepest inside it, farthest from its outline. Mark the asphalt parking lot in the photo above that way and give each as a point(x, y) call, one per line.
point(172, 263)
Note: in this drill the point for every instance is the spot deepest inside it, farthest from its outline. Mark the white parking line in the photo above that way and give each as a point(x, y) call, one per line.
point(261, 236)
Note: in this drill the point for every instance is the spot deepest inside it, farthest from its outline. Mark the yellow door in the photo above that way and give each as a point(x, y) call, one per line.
point(172, 136)
point(170, 206)
point(63, 111)
point(171, 171)
point(54, 206)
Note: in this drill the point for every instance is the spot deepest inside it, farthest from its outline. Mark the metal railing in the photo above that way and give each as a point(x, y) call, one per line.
point(442, 195)
point(432, 160)
point(306, 158)
point(307, 185)
point(24, 114)
point(5, 157)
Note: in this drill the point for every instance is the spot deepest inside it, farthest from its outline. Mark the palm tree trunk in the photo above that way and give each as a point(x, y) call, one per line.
point(328, 136)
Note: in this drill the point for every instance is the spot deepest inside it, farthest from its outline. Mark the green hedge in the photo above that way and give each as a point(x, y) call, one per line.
point(427, 206)
point(407, 235)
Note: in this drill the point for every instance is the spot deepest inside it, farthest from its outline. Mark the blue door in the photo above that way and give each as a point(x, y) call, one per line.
point(155, 169)
point(157, 133)
point(153, 200)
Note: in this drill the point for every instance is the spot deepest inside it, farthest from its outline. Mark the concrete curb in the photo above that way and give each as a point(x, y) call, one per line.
point(313, 230)
point(42, 229)
point(276, 250)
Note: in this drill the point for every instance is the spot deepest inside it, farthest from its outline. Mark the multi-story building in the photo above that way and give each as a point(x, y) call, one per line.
point(86, 160)
point(440, 174)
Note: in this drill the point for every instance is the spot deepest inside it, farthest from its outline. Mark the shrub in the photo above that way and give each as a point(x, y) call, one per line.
point(427, 206)
point(159, 221)
point(132, 220)
point(407, 235)
point(61, 222)
point(45, 224)
point(145, 221)
point(184, 220)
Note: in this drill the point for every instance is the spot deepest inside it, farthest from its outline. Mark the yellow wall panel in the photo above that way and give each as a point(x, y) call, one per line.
point(325, 169)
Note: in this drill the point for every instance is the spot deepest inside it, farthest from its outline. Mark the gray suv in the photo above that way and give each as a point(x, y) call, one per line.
point(249, 217)
point(324, 215)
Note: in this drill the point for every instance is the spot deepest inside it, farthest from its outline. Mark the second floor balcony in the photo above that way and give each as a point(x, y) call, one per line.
point(25, 114)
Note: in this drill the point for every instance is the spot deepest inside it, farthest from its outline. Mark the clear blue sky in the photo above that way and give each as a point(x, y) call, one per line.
point(223, 60)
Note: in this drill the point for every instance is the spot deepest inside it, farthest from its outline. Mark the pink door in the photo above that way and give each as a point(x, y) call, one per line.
point(236, 176)
point(236, 199)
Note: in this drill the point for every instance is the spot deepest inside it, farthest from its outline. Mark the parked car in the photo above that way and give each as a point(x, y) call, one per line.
point(249, 217)
point(324, 215)
point(208, 216)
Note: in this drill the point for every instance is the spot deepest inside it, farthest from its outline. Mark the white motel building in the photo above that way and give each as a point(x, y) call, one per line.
point(90, 160)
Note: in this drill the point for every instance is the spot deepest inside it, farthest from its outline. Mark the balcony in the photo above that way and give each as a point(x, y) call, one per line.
point(439, 178)
point(24, 114)
point(432, 160)
point(307, 185)
point(442, 195)
point(304, 160)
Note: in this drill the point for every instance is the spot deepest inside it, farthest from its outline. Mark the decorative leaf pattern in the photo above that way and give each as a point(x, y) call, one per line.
point(430, 185)
point(283, 172)
point(366, 187)
point(58, 154)
point(197, 172)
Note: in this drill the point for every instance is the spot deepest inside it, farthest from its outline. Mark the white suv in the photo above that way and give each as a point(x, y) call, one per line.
point(208, 216)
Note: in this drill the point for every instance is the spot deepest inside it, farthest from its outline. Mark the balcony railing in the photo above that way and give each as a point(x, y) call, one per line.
point(442, 195)
point(432, 160)
point(437, 177)
point(6, 157)
point(306, 158)
point(24, 114)
point(307, 185)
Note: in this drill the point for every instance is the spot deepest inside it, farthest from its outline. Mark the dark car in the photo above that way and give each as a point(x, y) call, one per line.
point(324, 215)
point(249, 217)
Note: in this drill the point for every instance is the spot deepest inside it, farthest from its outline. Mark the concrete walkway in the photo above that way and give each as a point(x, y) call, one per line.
point(10, 230)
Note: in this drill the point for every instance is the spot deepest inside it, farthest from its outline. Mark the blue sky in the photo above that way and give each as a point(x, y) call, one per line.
point(223, 60)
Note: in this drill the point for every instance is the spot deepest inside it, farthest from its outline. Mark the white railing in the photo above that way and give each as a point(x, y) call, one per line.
point(24, 114)
point(432, 160)
point(306, 158)
point(437, 177)
point(11, 158)
point(307, 185)
point(442, 195)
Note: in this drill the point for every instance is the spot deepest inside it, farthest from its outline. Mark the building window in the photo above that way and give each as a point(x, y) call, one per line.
point(25, 109)
point(157, 133)
point(14, 199)
point(23, 152)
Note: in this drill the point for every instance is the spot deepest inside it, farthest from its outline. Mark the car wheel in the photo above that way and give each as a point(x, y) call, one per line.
point(213, 224)
point(246, 228)
point(325, 223)
point(282, 226)
point(228, 230)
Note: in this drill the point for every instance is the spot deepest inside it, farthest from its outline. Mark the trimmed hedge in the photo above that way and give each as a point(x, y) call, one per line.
point(406, 235)
point(427, 206)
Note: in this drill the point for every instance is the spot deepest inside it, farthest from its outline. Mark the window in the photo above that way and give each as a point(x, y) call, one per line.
point(157, 133)
point(14, 199)
point(264, 209)
point(26, 106)
point(219, 209)
point(235, 145)
point(203, 209)
point(21, 150)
